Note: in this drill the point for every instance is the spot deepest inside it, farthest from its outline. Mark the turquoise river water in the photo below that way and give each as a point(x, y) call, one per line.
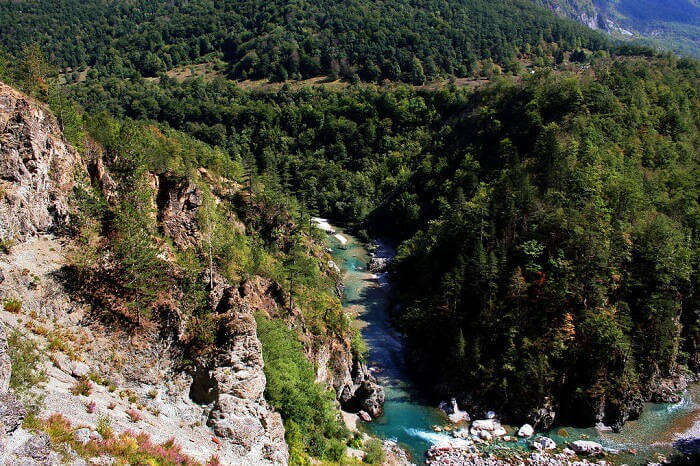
point(408, 419)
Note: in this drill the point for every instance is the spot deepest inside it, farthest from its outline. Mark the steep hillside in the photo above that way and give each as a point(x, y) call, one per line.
point(132, 274)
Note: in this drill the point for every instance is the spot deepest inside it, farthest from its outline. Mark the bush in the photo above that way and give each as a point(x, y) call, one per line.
point(134, 416)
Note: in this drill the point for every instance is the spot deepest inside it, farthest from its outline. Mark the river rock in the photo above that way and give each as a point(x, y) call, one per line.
point(484, 424)
point(526, 431)
point(372, 397)
point(586, 447)
point(364, 416)
point(453, 412)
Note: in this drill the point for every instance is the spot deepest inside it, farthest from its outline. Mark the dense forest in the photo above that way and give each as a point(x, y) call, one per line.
point(396, 40)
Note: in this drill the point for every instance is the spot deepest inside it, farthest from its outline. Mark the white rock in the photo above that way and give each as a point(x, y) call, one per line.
point(586, 447)
point(499, 431)
point(83, 435)
point(526, 431)
point(80, 369)
point(485, 435)
point(484, 424)
point(603, 428)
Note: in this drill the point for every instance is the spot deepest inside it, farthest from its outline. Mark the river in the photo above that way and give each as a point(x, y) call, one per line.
point(409, 419)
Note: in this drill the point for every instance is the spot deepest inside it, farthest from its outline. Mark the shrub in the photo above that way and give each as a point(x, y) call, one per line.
point(104, 427)
point(6, 245)
point(28, 374)
point(12, 305)
point(82, 386)
point(374, 454)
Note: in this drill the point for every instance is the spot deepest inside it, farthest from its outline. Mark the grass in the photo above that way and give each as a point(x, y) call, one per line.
point(64, 341)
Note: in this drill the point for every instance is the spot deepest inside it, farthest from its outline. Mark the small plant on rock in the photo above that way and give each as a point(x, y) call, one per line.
point(90, 407)
point(82, 387)
point(134, 415)
point(104, 427)
point(12, 305)
point(6, 245)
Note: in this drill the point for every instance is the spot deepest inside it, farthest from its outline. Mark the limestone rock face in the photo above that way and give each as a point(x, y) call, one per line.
point(177, 209)
point(36, 167)
point(253, 432)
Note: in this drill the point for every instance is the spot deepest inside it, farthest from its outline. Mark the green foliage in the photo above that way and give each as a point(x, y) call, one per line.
point(143, 273)
point(565, 252)
point(313, 424)
point(28, 375)
point(374, 454)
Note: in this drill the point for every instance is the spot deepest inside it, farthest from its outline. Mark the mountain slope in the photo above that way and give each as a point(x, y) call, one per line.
point(674, 24)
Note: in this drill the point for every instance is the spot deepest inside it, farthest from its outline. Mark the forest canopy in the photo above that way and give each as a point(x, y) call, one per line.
point(395, 40)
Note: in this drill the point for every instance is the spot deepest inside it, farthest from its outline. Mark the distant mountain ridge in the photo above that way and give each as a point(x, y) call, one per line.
point(673, 24)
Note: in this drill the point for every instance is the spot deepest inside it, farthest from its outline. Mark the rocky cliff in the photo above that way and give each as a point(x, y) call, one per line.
point(99, 371)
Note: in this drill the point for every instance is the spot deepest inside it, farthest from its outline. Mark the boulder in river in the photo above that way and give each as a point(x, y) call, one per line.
point(492, 426)
point(587, 447)
point(526, 431)
point(453, 412)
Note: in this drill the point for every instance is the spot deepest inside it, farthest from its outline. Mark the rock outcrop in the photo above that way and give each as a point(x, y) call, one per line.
point(178, 202)
point(241, 415)
point(37, 168)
